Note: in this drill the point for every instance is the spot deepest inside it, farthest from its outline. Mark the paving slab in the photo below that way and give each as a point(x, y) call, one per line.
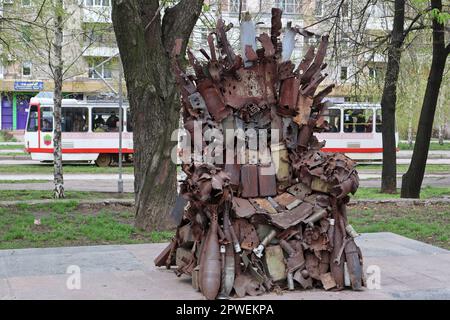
point(409, 269)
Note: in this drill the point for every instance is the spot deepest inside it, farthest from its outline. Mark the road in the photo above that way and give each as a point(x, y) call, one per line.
point(108, 182)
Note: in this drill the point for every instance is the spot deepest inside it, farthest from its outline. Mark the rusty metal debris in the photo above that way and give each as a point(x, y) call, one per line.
point(251, 227)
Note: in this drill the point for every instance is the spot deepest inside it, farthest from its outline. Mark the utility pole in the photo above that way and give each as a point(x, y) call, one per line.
point(118, 93)
point(120, 181)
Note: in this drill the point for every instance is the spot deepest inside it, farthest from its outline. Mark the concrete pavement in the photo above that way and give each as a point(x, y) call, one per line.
point(107, 182)
point(408, 270)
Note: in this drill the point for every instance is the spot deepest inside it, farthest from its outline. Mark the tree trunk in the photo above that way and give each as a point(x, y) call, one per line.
point(58, 192)
point(145, 44)
point(389, 99)
point(412, 179)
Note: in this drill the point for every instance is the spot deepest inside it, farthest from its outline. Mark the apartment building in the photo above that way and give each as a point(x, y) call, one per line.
point(89, 53)
point(318, 16)
point(90, 43)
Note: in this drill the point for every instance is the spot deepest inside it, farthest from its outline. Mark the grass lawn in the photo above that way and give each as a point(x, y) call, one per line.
point(430, 224)
point(71, 224)
point(402, 168)
point(10, 195)
point(68, 168)
point(13, 154)
point(68, 224)
point(426, 193)
point(6, 137)
point(433, 146)
point(22, 181)
point(11, 147)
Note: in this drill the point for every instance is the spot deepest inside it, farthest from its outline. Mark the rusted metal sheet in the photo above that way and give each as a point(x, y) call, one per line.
point(266, 181)
point(264, 205)
point(281, 161)
point(305, 281)
point(303, 109)
point(247, 235)
point(245, 284)
point(243, 208)
point(327, 281)
point(285, 199)
point(214, 100)
point(354, 264)
point(288, 96)
point(249, 178)
point(287, 219)
point(274, 260)
point(299, 190)
point(242, 227)
point(163, 259)
point(185, 236)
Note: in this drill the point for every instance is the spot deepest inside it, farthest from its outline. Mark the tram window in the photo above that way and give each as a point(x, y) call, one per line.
point(378, 121)
point(46, 119)
point(333, 120)
point(358, 120)
point(32, 119)
point(105, 119)
point(74, 119)
point(129, 121)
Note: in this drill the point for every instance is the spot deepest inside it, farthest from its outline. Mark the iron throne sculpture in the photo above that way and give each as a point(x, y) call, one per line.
point(253, 226)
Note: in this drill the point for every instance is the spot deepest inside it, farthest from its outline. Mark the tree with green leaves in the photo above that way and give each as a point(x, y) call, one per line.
point(45, 31)
point(412, 179)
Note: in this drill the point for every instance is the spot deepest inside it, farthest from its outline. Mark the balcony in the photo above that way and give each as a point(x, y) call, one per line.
point(100, 51)
point(96, 14)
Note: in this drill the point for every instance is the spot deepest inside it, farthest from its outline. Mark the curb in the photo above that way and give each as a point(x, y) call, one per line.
point(405, 201)
point(130, 202)
point(19, 157)
point(123, 202)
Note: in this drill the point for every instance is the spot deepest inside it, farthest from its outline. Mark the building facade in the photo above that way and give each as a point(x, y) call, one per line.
point(342, 20)
point(90, 51)
point(89, 54)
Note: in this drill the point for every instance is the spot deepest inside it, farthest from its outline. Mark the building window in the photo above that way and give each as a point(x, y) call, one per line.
point(318, 9)
point(372, 72)
point(26, 3)
point(234, 5)
point(105, 119)
point(343, 73)
point(26, 33)
point(46, 119)
point(98, 70)
point(288, 6)
point(97, 3)
point(26, 69)
point(344, 39)
point(74, 119)
point(332, 121)
point(358, 120)
point(344, 10)
point(203, 35)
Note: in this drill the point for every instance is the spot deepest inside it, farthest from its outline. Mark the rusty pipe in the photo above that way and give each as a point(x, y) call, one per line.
point(287, 247)
point(259, 250)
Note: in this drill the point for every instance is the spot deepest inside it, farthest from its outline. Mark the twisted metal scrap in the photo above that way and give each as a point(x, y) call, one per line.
point(248, 233)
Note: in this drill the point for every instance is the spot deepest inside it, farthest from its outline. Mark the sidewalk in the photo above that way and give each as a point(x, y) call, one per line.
point(409, 270)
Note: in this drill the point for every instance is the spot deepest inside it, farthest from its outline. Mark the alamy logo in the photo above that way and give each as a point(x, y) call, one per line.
point(373, 277)
point(74, 280)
